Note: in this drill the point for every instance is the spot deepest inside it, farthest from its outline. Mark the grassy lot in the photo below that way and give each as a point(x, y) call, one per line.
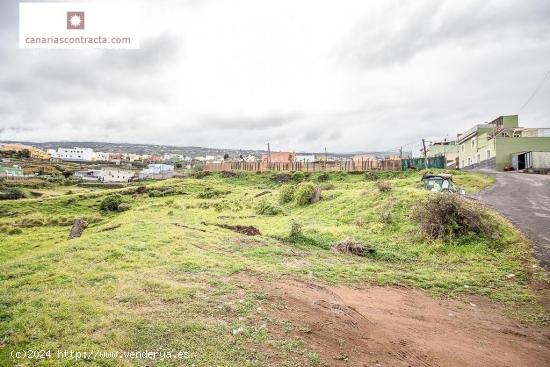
point(159, 276)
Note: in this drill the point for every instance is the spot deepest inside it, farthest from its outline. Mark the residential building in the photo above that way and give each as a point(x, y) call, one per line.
point(72, 154)
point(279, 157)
point(250, 158)
point(493, 144)
point(12, 171)
point(106, 175)
point(101, 156)
point(34, 152)
point(305, 158)
point(447, 149)
point(157, 170)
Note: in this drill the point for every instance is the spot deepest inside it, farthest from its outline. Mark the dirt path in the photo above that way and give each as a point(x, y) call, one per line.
point(384, 326)
point(525, 200)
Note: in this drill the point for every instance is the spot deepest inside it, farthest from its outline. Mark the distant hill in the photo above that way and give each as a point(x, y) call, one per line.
point(162, 149)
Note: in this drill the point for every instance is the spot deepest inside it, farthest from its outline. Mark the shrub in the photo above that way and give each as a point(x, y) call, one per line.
point(298, 176)
point(383, 186)
point(286, 193)
point(304, 193)
point(110, 203)
point(447, 215)
point(155, 193)
point(323, 177)
point(281, 177)
point(295, 228)
point(201, 174)
point(209, 193)
point(385, 213)
point(13, 231)
point(371, 176)
point(268, 208)
point(12, 193)
point(327, 186)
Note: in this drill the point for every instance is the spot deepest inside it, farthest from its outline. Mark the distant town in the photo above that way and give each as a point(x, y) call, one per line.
point(500, 144)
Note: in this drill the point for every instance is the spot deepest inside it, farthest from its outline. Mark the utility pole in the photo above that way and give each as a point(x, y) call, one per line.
point(401, 152)
point(268, 156)
point(425, 158)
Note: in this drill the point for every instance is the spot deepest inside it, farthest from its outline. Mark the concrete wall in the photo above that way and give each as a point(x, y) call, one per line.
point(541, 160)
point(506, 146)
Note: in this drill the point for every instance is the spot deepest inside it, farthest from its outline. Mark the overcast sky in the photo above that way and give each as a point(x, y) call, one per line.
point(348, 75)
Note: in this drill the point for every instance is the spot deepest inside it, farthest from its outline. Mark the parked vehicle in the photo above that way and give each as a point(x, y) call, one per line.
point(440, 182)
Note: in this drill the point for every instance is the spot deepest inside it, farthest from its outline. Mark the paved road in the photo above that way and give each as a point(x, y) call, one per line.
point(525, 200)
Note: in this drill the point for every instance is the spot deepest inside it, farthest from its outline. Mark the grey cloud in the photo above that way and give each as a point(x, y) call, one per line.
point(264, 122)
point(431, 24)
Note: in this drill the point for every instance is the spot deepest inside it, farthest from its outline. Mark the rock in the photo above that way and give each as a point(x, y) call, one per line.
point(237, 331)
point(78, 227)
point(316, 195)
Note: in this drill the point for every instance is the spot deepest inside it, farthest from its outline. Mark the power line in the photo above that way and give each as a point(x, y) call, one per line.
point(537, 89)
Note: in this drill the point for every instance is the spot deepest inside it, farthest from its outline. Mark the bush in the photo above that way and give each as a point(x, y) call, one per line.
point(304, 193)
point(268, 208)
point(295, 229)
point(12, 193)
point(298, 176)
point(323, 177)
point(110, 203)
point(447, 215)
point(327, 186)
point(209, 193)
point(286, 193)
point(281, 177)
point(371, 176)
point(385, 213)
point(383, 186)
point(201, 174)
point(155, 193)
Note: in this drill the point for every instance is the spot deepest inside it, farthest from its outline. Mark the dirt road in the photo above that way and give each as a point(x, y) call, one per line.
point(389, 326)
point(525, 200)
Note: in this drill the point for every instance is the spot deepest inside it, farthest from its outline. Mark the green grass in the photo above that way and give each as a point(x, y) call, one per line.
point(160, 275)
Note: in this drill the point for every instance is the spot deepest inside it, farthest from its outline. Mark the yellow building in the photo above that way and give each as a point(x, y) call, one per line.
point(35, 153)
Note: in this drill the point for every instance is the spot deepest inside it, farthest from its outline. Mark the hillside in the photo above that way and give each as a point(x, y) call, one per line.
point(178, 270)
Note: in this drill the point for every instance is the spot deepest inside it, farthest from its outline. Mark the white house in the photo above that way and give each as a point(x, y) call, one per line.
point(157, 170)
point(73, 154)
point(101, 156)
point(106, 175)
point(250, 158)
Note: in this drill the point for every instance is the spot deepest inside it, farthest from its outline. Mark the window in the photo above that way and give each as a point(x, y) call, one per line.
point(473, 143)
point(469, 161)
point(478, 158)
point(488, 154)
point(463, 163)
point(517, 134)
point(462, 148)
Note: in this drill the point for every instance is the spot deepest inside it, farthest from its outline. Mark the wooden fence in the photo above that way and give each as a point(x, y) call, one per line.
point(347, 166)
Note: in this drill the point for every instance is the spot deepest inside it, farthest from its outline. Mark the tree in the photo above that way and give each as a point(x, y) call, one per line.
point(225, 156)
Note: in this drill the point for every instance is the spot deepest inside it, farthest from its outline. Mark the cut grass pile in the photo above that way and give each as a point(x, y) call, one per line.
point(158, 276)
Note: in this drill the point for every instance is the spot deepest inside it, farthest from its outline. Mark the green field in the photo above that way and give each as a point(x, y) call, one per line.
point(161, 275)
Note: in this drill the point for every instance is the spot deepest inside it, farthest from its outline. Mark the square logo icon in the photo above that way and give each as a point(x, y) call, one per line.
point(75, 20)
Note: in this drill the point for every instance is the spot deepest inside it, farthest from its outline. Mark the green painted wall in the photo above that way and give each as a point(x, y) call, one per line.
point(506, 146)
point(510, 121)
point(15, 171)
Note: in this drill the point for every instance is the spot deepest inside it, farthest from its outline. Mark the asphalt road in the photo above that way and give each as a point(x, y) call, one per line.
point(525, 200)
